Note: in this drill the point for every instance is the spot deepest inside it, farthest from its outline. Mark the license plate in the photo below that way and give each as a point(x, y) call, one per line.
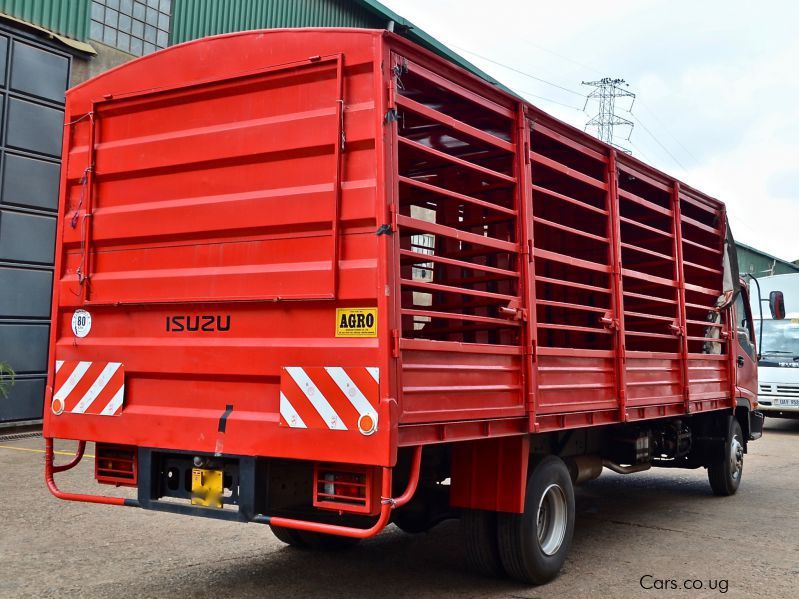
point(207, 487)
point(794, 403)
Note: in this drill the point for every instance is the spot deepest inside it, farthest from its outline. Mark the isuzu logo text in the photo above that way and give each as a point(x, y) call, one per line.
point(205, 322)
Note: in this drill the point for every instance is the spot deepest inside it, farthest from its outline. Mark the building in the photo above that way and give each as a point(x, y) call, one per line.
point(47, 46)
point(760, 264)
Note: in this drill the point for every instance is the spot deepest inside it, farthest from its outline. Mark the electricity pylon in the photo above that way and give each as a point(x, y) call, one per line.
point(606, 90)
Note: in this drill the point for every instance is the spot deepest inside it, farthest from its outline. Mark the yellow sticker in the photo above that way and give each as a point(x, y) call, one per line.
point(356, 322)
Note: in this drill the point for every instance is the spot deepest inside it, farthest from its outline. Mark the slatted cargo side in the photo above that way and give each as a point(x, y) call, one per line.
point(460, 271)
point(232, 179)
point(625, 286)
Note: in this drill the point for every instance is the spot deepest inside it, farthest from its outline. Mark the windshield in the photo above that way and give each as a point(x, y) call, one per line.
point(780, 337)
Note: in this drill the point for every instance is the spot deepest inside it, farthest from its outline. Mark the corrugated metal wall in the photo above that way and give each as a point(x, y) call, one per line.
point(192, 19)
point(755, 262)
point(33, 77)
point(65, 17)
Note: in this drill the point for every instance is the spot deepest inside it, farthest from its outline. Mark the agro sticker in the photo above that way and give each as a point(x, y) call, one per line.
point(356, 322)
point(81, 323)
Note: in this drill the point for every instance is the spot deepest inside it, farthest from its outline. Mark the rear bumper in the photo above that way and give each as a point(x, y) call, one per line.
point(249, 497)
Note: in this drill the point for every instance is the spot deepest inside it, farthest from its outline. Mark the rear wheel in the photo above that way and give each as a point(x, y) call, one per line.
point(533, 545)
point(288, 535)
point(482, 548)
point(725, 474)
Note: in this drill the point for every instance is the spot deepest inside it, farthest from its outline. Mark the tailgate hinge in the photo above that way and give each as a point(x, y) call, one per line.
point(395, 343)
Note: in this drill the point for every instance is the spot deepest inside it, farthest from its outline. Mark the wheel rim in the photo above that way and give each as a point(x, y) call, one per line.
point(736, 458)
point(551, 519)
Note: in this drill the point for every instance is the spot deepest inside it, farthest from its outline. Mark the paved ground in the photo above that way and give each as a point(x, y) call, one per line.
point(660, 525)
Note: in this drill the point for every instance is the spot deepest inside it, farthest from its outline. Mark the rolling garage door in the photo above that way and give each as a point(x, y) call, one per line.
point(33, 78)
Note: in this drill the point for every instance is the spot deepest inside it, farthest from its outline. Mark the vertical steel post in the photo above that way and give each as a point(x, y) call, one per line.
point(524, 183)
point(679, 277)
point(617, 288)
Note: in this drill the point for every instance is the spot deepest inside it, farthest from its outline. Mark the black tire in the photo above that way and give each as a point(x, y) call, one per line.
point(533, 545)
point(325, 542)
point(289, 536)
point(725, 474)
point(482, 547)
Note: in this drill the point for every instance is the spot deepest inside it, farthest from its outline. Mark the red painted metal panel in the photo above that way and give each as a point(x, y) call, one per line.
point(231, 207)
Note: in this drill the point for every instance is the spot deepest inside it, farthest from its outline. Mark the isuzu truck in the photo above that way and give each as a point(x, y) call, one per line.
point(778, 367)
point(324, 280)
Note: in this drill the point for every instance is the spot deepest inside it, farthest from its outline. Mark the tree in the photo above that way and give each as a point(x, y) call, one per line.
point(7, 376)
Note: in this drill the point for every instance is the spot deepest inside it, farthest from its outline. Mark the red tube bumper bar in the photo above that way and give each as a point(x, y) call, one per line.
point(388, 504)
point(50, 469)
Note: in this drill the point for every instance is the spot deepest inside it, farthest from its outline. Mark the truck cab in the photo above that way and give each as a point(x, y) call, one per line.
point(778, 366)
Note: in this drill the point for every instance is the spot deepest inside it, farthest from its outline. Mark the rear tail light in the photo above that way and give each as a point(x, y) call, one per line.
point(116, 465)
point(346, 488)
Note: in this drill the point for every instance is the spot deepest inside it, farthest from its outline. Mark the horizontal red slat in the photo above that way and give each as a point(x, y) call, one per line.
point(417, 258)
point(455, 160)
point(641, 225)
point(572, 284)
point(628, 272)
point(456, 290)
point(628, 195)
point(648, 252)
point(580, 146)
point(571, 327)
point(571, 230)
point(702, 226)
point(569, 199)
point(563, 259)
point(701, 246)
point(436, 229)
point(562, 168)
point(716, 271)
point(453, 123)
point(459, 90)
point(555, 304)
point(454, 195)
point(459, 316)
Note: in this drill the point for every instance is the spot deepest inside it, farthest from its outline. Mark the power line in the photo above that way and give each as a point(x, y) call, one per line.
point(566, 58)
point(640, 153)
point(520, 72)
point(657, 141)
point(532, 95)
point(663, 126)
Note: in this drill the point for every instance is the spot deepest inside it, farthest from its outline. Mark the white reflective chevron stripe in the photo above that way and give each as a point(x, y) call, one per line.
point(351, 391)
point(375, 372)
point(114, 404)
point(97, 386)
point(58, 365)
point(72, 381)
point(289, 414)
point(316, 398)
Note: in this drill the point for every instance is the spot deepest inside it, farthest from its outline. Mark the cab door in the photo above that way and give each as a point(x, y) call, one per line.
point(745, 348)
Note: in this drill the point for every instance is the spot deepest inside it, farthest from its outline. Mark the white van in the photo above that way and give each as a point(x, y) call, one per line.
point(778, 367)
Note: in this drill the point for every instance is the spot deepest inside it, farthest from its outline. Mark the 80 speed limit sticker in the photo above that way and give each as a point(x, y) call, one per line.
point(81, 323)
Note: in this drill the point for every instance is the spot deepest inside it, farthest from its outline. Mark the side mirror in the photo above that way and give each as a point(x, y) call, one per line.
point(776, 303)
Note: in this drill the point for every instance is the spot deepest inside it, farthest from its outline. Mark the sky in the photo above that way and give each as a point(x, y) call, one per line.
point(716, 84)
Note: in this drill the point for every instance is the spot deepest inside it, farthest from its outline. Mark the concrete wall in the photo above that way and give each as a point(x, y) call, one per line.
point(106, 58)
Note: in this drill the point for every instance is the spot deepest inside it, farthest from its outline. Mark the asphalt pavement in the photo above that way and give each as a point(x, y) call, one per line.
point(659, 534)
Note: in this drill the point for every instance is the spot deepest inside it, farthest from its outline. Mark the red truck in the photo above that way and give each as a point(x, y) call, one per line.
point(324, 280)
